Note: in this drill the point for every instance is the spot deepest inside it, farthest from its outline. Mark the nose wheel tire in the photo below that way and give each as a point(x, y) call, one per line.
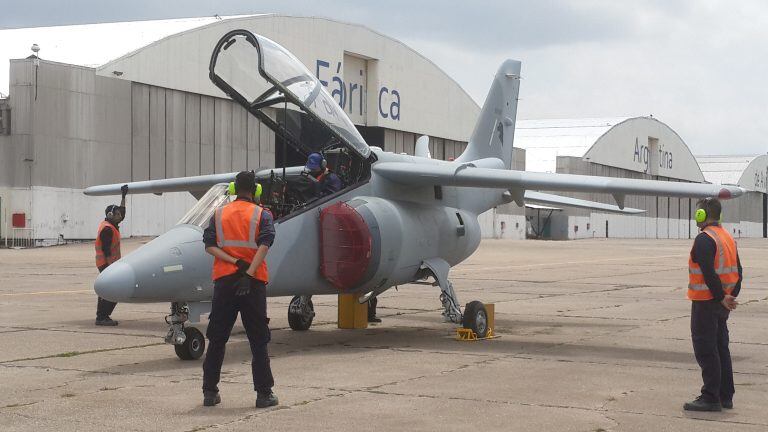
point(193, 346)
point(301, 312)
point(476, 318)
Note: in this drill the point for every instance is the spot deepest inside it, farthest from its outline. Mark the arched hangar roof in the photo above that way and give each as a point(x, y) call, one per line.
point(404, 90)
point(641, 144)
point(749, 172)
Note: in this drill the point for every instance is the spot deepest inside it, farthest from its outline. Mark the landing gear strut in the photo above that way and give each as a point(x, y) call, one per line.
point(301, 312)
point(475, 317)
point(188, 342)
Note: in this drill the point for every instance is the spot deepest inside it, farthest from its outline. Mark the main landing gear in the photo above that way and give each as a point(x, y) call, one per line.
point(475, 316)
point(188, 342)
point(301, 312)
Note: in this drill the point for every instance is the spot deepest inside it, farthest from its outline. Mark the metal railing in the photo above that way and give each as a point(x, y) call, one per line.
point(20, 238)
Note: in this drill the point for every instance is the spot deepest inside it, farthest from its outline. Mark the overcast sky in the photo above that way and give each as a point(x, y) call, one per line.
point(698, 65)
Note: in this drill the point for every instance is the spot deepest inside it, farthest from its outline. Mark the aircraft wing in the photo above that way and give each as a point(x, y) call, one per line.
point(549, 199)
point(469, 176)
point(179, 184)
point(191, 184)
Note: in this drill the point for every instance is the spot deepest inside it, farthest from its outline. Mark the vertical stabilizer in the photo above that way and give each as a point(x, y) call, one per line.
point(422, 147)
point(495, 128)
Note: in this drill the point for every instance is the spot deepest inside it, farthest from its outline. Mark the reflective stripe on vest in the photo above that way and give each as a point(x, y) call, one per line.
point(114, 247)
point(726, 266)
point(232, 237)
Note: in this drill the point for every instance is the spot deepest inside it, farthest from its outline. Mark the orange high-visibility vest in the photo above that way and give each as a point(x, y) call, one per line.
point(237, 229)
point(114, 247)
point(726, 266)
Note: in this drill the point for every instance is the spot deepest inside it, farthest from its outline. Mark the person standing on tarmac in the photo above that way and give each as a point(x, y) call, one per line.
point(107, 252)
point(714, 282)
point(239, 236)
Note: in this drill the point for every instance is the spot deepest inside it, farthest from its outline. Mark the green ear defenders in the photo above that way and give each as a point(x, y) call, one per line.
point(701, 215)
point(231, 190)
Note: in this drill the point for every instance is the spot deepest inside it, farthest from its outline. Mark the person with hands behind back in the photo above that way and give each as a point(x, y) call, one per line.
point(714, 282)
point(239, 237)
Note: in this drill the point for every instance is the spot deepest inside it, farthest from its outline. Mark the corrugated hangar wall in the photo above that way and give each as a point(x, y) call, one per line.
point(177, 134)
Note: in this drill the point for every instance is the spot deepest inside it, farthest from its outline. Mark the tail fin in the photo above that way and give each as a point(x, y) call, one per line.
point(495, 128)
point(422, 147)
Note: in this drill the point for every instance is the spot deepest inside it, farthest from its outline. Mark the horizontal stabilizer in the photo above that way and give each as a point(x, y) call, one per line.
point(549, 199)
point(467, 175)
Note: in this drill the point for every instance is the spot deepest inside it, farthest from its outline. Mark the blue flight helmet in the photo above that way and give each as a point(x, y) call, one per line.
point(315, 162)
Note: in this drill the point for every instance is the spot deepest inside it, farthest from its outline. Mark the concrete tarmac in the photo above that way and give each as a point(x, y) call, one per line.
point(594, 337)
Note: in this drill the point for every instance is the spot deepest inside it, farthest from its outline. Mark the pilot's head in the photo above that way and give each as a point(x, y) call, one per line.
point(245, 184)
point(315, 164)
point(114, 214)
point(708, 212)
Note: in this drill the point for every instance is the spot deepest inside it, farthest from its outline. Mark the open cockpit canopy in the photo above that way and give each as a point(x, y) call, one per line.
point(257, 73)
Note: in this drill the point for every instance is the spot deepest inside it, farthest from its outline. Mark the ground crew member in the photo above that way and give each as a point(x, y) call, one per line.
point(239, 236)
point(327, 181)
point(372, 318)
point(108, 251)
point(714, 281)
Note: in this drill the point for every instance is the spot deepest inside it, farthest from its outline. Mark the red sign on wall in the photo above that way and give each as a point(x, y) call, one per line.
point(19, 220)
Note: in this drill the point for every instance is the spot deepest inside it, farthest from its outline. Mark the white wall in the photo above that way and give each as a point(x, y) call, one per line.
point(620, 226)
point(52, 212)
point(490, 225)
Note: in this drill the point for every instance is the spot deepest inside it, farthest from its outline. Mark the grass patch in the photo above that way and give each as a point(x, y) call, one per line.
point(68, 354)
point(68, 395)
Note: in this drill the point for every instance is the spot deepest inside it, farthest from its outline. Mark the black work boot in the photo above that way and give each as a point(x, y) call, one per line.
point(374, 319)
point(211, 398)
point(264, 400)
point(108, 322)
point(699, 404)
point(727, 403)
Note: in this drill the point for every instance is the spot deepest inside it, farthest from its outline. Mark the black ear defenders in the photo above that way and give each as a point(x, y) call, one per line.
point(111, 211)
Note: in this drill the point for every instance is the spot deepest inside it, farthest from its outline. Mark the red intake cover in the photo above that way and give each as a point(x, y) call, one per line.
point(345, 246)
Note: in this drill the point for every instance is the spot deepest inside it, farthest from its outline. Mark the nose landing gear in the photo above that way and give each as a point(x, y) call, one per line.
point(188, 342)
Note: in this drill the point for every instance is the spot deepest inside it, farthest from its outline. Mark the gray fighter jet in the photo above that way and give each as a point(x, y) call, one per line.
point(398, 219)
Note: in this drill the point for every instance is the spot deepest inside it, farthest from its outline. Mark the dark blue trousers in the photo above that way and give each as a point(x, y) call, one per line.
point(709, 331)
point(253, 313)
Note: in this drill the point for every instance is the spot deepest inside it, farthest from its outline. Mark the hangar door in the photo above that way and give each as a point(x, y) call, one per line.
point(355, 92)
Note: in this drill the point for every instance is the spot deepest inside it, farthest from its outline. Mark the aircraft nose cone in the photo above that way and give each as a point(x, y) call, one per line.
point(116, 283)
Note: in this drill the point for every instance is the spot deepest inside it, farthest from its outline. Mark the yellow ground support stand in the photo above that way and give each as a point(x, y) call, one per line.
point(466, 335)
point(352, 314)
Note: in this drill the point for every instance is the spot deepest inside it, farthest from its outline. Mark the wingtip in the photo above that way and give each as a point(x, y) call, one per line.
point(731, 192)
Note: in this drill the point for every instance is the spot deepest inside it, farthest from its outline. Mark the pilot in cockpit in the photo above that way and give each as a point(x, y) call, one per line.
point(327, 181)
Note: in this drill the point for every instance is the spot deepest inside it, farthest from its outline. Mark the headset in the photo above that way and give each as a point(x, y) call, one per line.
point(111, 211)
point(323, 162)
point(701, 214)
point(256, 194)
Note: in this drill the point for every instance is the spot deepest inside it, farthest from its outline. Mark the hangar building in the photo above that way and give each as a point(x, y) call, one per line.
point(642, 148)
point(748, 215)
point(119, 102)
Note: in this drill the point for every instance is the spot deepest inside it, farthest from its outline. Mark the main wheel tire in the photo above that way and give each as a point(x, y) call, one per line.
point(300, 321)
point(193, 347)
point(476, 318)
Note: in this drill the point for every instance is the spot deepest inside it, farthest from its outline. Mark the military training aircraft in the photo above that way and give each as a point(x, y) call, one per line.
point(398, 219)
